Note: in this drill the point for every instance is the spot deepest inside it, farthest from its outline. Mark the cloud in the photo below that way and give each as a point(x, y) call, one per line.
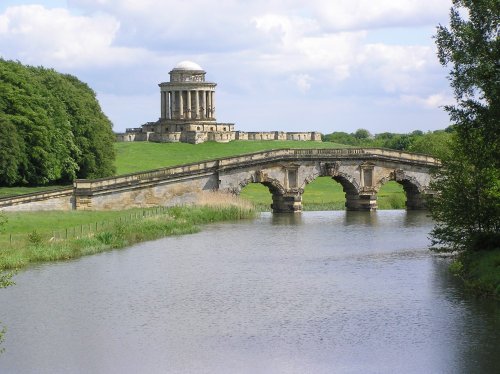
point(57, 38)
point(369, 14)
point(265, 54)
point(302, 81)
point(432, 101)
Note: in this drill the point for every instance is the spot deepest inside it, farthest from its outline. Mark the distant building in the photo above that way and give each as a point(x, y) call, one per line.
point(188, 114)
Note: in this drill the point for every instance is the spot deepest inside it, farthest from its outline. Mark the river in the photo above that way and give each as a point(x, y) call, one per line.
point(317, 292)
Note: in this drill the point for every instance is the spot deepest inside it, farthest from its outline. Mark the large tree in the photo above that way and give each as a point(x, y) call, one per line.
point(52, 129)
point(467, 206)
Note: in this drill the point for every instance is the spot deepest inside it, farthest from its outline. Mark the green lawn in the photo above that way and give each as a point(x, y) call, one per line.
point(11, 191)
point(326, 194)
point(139, 156)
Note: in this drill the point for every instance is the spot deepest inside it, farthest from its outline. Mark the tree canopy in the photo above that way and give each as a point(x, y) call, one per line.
point(467, 206)
point(52, 129)
point(433, 143)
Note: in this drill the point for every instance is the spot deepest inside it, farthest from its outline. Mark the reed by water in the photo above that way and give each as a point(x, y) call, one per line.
point(178, 220)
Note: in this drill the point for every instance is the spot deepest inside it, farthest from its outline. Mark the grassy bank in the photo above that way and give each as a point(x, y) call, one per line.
point(480, 271)
point(39, 246)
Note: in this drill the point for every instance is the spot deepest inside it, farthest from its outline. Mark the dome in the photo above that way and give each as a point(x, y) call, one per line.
point(187, 65)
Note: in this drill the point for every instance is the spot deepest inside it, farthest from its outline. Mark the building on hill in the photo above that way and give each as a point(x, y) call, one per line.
point(188, 114)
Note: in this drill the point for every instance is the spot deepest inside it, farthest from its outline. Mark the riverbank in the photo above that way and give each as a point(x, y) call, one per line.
point(480, 271)
point(123, 233)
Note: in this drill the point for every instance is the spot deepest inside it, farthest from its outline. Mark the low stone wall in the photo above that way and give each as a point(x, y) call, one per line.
point(222, 133)
point(49, 200)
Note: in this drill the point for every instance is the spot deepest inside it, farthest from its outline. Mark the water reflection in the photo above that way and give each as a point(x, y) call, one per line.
point(361, 218)
point(317, 292)
point(476, 321)
point(286, 219)
point(416, 218)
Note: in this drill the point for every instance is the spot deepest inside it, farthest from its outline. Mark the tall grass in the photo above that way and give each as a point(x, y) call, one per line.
point(177, 220)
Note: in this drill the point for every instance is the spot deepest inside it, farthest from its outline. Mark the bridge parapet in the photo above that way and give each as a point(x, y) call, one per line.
point(361, 171)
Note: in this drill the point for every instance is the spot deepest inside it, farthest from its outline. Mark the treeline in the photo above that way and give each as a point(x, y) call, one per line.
point(435, 143)
point(52, 129)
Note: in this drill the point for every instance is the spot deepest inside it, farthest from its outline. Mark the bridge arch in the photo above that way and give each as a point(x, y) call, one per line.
point(415, 192)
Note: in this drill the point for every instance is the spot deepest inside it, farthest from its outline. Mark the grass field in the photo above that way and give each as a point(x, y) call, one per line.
point(326, 194)
point(139, 156)
point(11, 191)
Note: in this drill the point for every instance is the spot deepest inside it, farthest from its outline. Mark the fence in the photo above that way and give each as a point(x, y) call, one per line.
point(80, 231)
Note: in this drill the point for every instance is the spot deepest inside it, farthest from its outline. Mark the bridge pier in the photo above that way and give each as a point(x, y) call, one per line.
point(416, 201)
point(290, 202)
point(361, 202)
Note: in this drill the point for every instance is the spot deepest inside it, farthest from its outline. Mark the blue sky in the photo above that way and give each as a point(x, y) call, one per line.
point(324, 65)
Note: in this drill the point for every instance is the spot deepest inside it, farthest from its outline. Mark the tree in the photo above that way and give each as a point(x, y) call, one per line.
point(362, 134)
point(467, 206)
point(52, 129)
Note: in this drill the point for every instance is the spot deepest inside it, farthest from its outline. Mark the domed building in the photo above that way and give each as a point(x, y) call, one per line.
point(188, 114)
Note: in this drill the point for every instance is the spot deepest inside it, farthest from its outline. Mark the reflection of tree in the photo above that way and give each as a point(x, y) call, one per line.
point(416, 218)
point(472, 323)
point(5, 281)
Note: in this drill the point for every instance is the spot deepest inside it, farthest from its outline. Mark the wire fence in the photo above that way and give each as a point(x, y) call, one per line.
point(80, 231)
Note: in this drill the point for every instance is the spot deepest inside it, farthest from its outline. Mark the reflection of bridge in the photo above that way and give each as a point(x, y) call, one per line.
point(286, 172)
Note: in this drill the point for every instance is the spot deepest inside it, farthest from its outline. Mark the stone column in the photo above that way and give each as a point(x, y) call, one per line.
point(209, 105)
point(181, 105)
point(174, 105)
point(361, 202)
point(169, 105)
point(163, 106)
point(290, 202)
point(213, 104)
point(188, 106)
point(197, 104)
point(204, 101)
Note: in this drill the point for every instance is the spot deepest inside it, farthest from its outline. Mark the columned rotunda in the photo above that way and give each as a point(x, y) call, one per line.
point(187, 114)
point(187, 95)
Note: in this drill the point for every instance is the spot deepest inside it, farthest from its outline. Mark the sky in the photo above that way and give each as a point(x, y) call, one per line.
point(288, 65)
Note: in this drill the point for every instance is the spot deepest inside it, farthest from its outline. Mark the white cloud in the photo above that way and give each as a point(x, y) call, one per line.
point(257, 51)
point(432, 101)
point(302, 81)
point(57, 38)
point(367, 14)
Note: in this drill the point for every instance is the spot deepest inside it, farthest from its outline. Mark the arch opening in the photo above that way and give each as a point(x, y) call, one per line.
point(323, 193)
point(259, 194)
point(391, 195)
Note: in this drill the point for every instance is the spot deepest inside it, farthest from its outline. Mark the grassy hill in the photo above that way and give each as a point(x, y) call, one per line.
point(322, 194)
point(138, 156)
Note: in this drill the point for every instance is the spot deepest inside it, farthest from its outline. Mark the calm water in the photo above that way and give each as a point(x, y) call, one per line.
point(320, 292)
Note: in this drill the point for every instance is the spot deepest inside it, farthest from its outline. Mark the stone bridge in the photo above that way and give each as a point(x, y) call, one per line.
point(286, 172)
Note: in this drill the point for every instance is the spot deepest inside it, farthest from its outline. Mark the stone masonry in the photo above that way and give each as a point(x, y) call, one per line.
point(187, 107)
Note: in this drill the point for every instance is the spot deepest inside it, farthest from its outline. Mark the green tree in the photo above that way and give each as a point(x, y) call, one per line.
point(362, 134)
point(52, 129)
point(467, 207)
point(435, 143)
